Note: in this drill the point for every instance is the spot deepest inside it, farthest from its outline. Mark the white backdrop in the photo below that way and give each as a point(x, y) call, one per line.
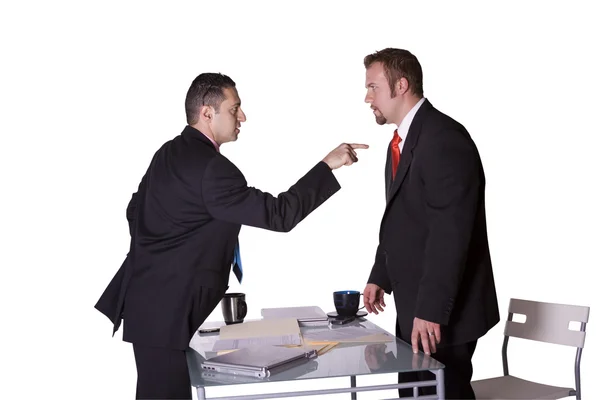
point(90, 90)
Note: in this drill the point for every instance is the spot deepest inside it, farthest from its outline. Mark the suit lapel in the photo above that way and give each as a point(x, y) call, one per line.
point(405, 161)
point(407, 152)
point(388, 172)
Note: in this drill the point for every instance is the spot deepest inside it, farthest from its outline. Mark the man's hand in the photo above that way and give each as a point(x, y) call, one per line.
point(373, 298)
point(428, 333)
point(344, 154)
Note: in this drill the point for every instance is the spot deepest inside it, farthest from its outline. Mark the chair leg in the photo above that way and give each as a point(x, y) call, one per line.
point(577, 368)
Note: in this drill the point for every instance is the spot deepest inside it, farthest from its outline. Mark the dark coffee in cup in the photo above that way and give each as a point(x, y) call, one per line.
point(346, 302)
point(233, 306)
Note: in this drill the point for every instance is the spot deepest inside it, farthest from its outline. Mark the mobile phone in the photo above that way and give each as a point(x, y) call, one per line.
point(208, 330)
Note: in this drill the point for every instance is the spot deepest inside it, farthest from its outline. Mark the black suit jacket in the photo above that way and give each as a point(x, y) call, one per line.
point(184, 222)
point(433, 248)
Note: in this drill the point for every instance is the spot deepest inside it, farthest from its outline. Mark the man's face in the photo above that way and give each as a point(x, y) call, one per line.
point(226, 124)
point(379, 95)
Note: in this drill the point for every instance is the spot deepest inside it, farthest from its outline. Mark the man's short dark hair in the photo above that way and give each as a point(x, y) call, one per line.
point(206, 89)
point(399, 63)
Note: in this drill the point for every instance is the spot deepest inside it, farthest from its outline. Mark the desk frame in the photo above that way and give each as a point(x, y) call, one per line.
point(353, 389)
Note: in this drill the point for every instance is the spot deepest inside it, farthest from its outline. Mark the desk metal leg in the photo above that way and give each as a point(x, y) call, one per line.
point(327, 391)
point(439, 378)
point(353, 385)
point(201, 393)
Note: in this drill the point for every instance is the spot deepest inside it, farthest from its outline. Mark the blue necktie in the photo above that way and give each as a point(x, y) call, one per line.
point(237, 262)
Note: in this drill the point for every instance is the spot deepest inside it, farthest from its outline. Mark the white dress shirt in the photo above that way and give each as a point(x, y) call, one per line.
point(405, 124)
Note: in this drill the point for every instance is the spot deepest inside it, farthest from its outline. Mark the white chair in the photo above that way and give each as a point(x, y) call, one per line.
point(546, 322)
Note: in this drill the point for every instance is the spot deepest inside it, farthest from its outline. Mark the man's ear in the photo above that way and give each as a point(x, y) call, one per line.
point(401, 85)
point(207, 113)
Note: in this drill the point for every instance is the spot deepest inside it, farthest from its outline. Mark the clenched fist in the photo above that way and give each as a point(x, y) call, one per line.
point(344, 154)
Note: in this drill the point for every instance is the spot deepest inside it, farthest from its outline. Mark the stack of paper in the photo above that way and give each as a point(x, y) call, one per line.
point(276, 332)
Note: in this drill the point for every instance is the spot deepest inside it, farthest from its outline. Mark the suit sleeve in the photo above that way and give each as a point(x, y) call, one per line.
point(228, 197)
point(452, 182)
point(108, 303)
point(130, 213)
point(379, 275)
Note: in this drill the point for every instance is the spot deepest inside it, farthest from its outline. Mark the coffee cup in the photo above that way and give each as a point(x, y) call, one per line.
point(347, 302)
point(234, 308)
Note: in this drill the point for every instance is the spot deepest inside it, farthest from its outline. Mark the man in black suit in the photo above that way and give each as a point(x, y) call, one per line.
point(433, 249)
point(184, 222)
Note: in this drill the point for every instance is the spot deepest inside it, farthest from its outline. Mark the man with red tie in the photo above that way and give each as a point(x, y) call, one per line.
point(433, 251)
point(184, 222)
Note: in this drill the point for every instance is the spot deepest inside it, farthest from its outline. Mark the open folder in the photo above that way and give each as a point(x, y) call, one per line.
point(258, 361)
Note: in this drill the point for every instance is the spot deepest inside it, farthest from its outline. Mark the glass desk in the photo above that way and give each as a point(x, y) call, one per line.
point(344, 360)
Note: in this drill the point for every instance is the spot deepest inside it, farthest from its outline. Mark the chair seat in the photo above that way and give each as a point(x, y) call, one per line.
point(510, 387)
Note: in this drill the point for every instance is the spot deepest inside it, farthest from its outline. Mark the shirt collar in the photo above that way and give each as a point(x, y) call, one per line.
point(190, 130)
point(407, 120)
point(212, 141)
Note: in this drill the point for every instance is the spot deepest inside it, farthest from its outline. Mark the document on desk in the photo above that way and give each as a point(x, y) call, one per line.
point(302, 314)
point(261, 328)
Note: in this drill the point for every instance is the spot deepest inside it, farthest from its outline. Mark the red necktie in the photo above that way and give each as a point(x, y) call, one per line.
point(395, 152)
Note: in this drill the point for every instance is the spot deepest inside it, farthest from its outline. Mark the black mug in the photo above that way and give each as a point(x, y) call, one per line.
point(234, 308)
point(346, 302)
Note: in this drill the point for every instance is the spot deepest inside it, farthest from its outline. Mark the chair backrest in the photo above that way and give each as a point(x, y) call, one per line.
point(547, 322)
